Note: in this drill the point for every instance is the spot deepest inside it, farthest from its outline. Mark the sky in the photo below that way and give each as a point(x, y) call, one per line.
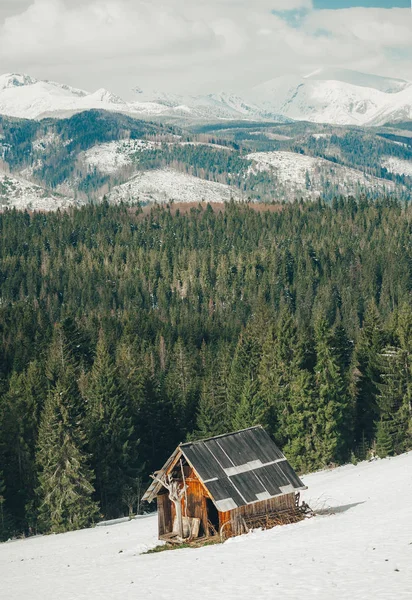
point(194, 46)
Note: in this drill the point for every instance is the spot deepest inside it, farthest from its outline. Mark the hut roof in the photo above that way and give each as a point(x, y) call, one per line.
point(237, 468)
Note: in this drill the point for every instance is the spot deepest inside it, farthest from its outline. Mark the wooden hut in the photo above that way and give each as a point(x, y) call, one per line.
point(225, 486)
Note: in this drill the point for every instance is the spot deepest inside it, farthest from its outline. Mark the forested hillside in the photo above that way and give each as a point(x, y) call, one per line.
point(96, 154)
point(123, 333)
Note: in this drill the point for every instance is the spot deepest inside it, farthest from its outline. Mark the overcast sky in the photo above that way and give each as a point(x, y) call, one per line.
point(200, 45)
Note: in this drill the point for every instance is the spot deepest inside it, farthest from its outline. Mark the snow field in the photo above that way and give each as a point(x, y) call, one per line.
point(112, 157)
point(291, 170)
point(21, 194)
point(165, 185)
point(359, 548)
point(397, 165)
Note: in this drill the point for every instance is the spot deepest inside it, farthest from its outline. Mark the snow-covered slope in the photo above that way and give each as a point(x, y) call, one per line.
point(114, 156)
point(397, 165)
point(336, 96)
point(360, 547)
point(16, 192)
point(162, 186)
point(298, 175)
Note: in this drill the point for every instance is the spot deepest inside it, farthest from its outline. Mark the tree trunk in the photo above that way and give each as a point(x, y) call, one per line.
point(179, 517)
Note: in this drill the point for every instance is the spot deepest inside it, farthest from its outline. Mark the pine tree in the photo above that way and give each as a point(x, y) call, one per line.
point(182, 386)
point(279, 366)
point(303, 447)
point(208, 422)
point(404, 332)
point(6, 523)
point(332, 400)
point(395, 397)
point(65, 480)
point(19, 420)
point(249, 411)
point(213, 416)
point(384, 439)
point(243, 376)
point(109, 431)
point(367, 361)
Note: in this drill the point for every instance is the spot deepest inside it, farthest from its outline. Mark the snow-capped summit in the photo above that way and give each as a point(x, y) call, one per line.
point(158, 97)
point(389, 85)
point(103, 95)
point(13, 80)
point(336, 96)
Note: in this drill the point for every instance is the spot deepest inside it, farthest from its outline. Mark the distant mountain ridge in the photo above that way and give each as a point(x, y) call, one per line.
point(23, 96)
point(333, 96)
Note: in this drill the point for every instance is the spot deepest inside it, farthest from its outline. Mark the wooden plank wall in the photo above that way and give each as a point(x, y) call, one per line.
point(231, 518)
point(196, 505)
point(164, 508)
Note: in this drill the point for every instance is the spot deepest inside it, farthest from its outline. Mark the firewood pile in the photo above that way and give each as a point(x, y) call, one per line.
point(269, 520)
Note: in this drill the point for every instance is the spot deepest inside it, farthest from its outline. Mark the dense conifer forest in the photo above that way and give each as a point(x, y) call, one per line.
point(124, 332)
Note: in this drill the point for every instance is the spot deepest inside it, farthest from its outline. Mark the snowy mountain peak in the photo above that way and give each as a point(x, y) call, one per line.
point(388, 85)
point(158, 97)
point(103, 95)
point(14, 80)
point(336, 96)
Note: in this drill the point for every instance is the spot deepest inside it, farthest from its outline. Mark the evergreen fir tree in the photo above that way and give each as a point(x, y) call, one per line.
point(65, 480)
point(367, 361)
point(19, 418)
point(303, 447)
point(242, 382)
point(332, 400)
point(109, 431)
point(213, 416)
point(249, 411)
point(384, 439)
point(6, 523)
point(182, 386)
point(279, 366)
point(395, 397)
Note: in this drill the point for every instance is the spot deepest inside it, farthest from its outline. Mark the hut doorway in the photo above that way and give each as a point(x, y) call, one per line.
point(212, 514)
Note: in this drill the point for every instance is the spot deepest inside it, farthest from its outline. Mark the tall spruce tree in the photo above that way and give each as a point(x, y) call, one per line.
point(182, 386)
point(367, 360)
point(213, 416)
point(395, 397)
point(243, 378)
point(65, 479)
point(300, 426)
point(6, 522)
point(278, 368)
point(249, 411)
point(332, 400)
point(19, 420)
point(109, 431)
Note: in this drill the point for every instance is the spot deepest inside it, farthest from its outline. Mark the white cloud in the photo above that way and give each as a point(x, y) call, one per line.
point(191, 44)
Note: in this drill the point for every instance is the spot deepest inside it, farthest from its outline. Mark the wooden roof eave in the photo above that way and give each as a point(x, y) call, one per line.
point(153, 490)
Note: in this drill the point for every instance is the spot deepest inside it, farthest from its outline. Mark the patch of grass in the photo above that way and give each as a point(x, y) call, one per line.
point(165, 547)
